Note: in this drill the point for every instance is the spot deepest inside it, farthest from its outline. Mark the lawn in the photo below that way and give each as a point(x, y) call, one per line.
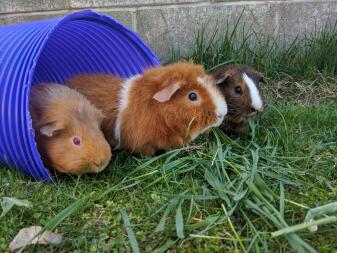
point(220, 194)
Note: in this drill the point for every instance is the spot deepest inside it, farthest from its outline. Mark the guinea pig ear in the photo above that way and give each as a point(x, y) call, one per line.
point(259, 76)
point(50, 129)
point(220, 80)
point(166, 93)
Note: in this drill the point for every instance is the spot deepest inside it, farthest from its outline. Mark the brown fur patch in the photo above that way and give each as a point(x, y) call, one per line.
point(103, 91)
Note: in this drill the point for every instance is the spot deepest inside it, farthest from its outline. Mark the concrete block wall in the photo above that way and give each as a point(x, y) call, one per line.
point(166, 24)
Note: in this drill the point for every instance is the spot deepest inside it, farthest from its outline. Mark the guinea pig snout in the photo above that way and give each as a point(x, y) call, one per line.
point(254, 111)
point(100, 166)
point(220, 114)
point(219, 119)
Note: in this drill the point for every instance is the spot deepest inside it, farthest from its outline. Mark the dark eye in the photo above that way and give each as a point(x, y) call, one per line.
point(238, 90)
point(192, 96)
point(77, 141)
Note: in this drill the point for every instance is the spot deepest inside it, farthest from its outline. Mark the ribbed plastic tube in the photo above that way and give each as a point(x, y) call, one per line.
point(52, 51)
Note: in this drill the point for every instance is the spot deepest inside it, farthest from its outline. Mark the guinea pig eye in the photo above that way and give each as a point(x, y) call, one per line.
point(192, 96)
point(77, 141)
point(238, 90)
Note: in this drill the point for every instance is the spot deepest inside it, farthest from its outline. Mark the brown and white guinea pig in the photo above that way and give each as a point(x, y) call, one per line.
point(164, 108)
point(67, 130)
point(240, 86)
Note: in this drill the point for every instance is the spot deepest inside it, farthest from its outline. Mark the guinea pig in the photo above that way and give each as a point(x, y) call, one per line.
point(67, 130)
point(240, 86)
point(164, 108)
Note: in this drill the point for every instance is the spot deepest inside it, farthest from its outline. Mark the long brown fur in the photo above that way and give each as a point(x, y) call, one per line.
point(148, 125)
point(73, 115)
point(103, 91)
point(239, 107)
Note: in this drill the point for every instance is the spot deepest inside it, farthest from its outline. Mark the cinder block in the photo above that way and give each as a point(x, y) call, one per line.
point(11, 6)
point(124, 3)
point(303, 17)
point(124, 17)
point(19, 18)
point(166, 24)
point(175, 27)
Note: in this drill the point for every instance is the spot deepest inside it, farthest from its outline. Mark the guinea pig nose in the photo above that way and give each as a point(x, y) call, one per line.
point(99, 164)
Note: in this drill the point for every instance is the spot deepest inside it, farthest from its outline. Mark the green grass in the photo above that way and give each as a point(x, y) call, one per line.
point(292, 154)
point(300, 58)
point(219, 194)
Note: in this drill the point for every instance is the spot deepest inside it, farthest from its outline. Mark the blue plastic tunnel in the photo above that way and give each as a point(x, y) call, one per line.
point(52, 51)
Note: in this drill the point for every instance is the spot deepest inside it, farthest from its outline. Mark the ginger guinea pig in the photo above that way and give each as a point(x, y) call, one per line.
point(240, 86)
point(67, 130)
point(164, 108)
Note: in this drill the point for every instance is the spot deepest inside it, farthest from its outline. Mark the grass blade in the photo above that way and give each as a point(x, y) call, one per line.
point(161, 225)
point(328, 208)
point(304, 225)
point(164, 247)
point(180, 222)
point(234, 231)
point(282, 199)
point(54, 222)
point(61, 216)
point(131, 235)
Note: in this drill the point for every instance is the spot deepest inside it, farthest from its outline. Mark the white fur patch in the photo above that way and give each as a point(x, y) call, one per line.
point(123, 102)
point(254, 92)
point(218, 100)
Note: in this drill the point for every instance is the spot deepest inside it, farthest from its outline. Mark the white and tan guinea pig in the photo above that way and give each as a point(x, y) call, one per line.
point(164, 108)
point(67, 130)
point(240, 86)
